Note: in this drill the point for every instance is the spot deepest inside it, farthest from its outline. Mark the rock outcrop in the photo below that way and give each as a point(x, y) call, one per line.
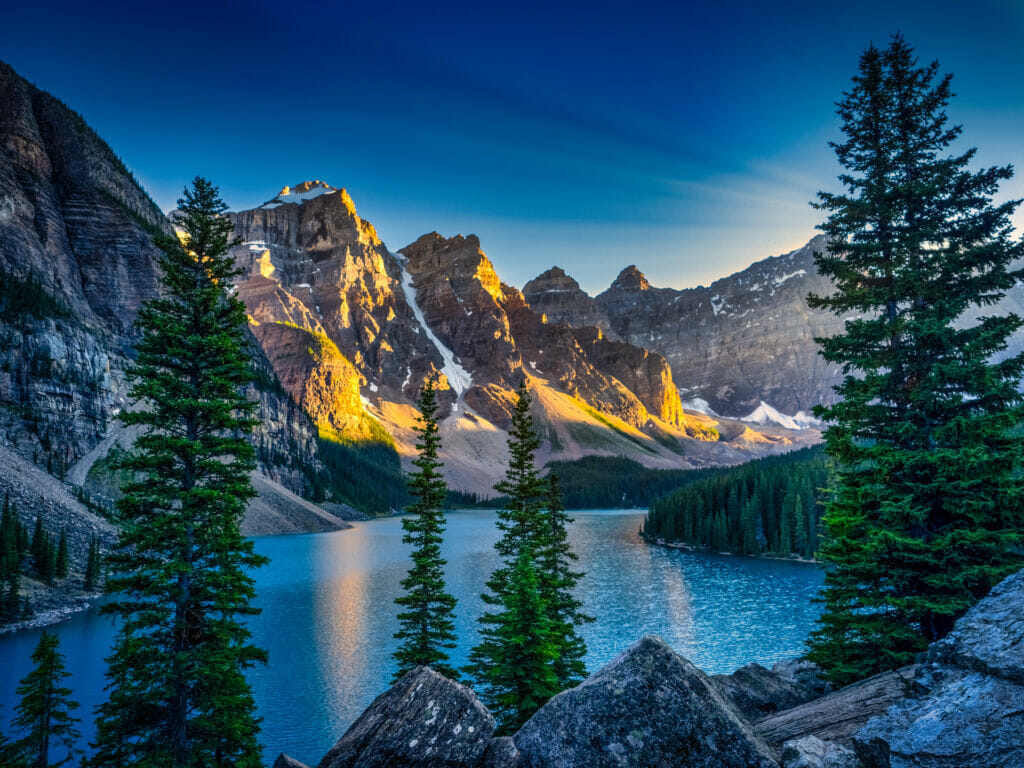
point(812, 752)
point(77, 248)
point(838, 715)
point(648, 707)
point(287, 761)
point(758, 692)
point(422, 720)
point(967, 707)
point(561, 300)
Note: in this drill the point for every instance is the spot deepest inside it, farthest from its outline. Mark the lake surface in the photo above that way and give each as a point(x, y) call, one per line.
point(328, 616)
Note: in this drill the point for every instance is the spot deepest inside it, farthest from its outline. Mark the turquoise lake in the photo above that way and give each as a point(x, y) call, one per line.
point(328, 616)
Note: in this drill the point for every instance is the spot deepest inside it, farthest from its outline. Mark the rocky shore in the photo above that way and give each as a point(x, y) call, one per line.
point(962, 704)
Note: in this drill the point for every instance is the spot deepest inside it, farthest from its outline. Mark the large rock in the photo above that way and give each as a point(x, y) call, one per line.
point(758, 692)
point(424, 720)
point(968, 709)
point(812, 752)
point(501, 752)
point(837, 716)
point(648, 707)
point(803, 672)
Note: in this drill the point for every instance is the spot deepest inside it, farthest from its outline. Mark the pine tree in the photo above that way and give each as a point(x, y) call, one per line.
point(428, 621)
point(519, 675)
point(179, 572)
point(61, 568)
point(926, 510)
point(558, 580)
point(92, 565)
point(44, 711)
point(513, 661)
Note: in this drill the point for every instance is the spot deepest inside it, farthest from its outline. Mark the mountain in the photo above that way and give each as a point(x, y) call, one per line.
point(318, 277)
point(77, 260)
point(742, 347)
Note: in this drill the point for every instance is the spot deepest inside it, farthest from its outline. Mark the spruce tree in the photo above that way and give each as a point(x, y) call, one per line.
point(926, 510)
point(513, 661)
point(558, 580)
point(428, 619)
point(179, 573)
point(44, 711)
point(62, 564)
point(92, 565)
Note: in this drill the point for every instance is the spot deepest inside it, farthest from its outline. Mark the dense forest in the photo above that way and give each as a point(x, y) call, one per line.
point(768, 506)
point(612, 482)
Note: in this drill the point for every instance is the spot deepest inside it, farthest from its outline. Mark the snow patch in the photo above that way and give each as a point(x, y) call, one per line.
point(459, 379)
point(765, 415)
point(780, 280)
point(700, 405)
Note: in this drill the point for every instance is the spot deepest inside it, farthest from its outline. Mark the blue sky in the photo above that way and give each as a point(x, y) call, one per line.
point(686, 139)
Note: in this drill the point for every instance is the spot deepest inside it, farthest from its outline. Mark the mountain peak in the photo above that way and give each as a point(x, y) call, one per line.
point(307, 190)
point(631, 279)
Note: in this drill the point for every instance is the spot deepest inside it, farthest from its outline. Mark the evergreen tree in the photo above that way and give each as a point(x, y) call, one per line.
point(513, 661)
point(61, 568)
point(179, 573)
point(558, 580)
point(519, 674)
point(926, 510)
point(428, 621)
point(92, 565)
point(44, 711)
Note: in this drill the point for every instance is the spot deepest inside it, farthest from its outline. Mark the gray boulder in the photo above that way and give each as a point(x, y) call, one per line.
point(424, 719)
point(804, 673)
point(812, 752)
point(648, 707)
point(287, 761)
point(501, 752)
point(758, 692)
point(968, 709)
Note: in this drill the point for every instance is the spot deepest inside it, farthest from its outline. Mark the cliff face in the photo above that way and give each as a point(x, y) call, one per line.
point(746, 339)
point(77, 260)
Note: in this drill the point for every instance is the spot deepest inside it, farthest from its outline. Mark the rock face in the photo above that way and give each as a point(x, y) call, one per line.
point(287, 761)
point(747, 338)
point(77, 236)
point(812, 752)
point(968, 703)
point(649, 707)
point(758, 692)
point(423, 720)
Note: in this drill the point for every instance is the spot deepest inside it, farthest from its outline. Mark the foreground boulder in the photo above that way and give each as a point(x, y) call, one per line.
point(758, 692)
point(838, 715)
point(424, 720)
point(812, 752)
point(648, 707)
point(968, 707)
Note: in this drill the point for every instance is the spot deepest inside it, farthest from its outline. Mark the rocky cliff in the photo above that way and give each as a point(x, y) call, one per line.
point(745, 340)
point(77, 260)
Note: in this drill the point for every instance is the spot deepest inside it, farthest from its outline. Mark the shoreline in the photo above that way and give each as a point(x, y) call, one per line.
point(52, 616)
point(683, 547)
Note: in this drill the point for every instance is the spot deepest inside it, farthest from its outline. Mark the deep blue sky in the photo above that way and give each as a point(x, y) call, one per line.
point(686, 139)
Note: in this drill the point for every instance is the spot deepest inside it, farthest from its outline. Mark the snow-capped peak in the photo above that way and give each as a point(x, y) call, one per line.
point(764, 414)
point(300, 193)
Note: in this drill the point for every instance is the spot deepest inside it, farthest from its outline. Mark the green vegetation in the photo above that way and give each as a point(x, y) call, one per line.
point(612, 482)
point(179, 576)
point(926, 511)
point(532, 616)
point(44, 711)
point(14, 547)
point(93, 566)
point(764, 507)
point(428, 616)
point(364, 474)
